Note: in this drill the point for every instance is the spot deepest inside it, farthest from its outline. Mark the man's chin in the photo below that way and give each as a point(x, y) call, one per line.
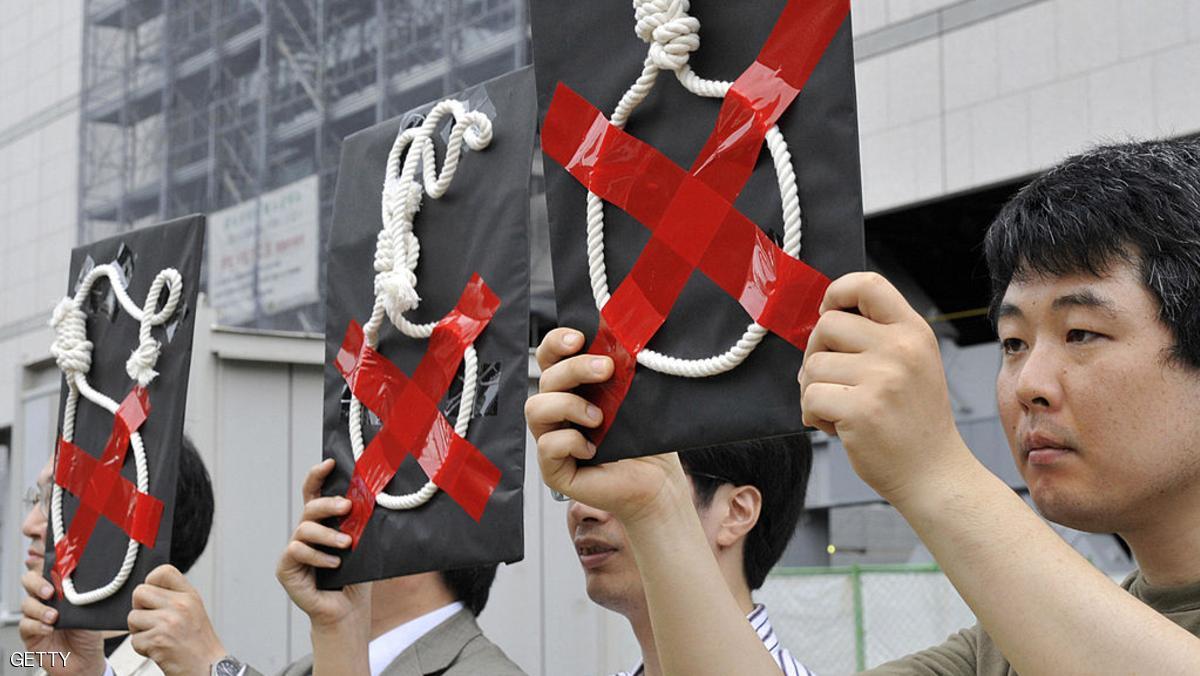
point(605, 592)
point(1072, 511)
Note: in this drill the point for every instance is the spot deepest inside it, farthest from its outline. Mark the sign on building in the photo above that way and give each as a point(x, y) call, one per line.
point(282, 225)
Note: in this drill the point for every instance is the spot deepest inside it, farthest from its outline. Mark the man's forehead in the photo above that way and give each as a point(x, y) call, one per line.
point(1059, 293)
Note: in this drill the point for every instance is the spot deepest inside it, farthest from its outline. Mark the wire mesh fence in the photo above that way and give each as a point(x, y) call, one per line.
point(844, 619)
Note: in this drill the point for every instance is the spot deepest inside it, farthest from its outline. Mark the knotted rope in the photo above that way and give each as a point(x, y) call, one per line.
point(73, 353)
point(397, 251)
point(673, 35)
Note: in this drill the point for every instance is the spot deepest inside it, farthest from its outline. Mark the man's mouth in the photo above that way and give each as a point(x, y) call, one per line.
point(593, 554)
point(1041, 449)
point(35, 558)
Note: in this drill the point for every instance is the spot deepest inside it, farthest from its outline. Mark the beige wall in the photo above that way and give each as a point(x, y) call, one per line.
point(1008, 95)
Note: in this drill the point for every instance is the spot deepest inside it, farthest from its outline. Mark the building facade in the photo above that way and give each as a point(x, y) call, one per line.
point(121, 113)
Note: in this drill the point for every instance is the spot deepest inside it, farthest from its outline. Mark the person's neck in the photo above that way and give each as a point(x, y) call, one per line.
point(1166, 545)
point(643, 631)
point(403, 599)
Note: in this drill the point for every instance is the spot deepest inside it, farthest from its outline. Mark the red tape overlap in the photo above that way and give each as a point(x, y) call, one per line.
point(691, 214)
point(412, 423)
point(103, 491)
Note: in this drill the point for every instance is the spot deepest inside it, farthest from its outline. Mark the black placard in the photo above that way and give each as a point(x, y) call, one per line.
point(593, 48)
point(140, 254)
point(478, 226)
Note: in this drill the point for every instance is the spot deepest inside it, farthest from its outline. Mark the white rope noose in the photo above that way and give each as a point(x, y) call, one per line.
point(73, 352)
point(397, 251)
point(673, 35)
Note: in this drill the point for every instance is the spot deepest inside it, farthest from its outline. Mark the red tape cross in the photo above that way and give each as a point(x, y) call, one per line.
point(412, 423)
point(103, 491)
point(691, 214)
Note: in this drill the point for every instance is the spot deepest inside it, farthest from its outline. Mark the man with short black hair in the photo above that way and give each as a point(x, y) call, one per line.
point(1096, 279)
point(746, 497)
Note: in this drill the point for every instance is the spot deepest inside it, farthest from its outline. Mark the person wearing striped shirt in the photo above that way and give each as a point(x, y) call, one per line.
point(743, 499)
point(762, 626)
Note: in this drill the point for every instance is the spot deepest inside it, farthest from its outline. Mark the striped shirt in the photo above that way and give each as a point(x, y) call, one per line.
point(788, 665)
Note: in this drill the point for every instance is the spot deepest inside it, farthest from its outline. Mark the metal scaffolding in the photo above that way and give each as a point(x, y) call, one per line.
point(198, 105)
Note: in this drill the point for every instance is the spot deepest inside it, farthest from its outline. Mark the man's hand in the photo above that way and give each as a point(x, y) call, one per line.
point(38, 633)
point(297, 567)
point(875, 380)
point(629, 489)
point(168, 624)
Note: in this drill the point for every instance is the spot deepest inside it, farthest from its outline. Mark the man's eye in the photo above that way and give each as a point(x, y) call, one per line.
point(1011, 345)
point(1081, 336)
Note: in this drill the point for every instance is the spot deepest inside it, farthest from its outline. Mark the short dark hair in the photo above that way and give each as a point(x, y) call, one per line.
point(472, 585)
point(193, 508)
point(1132, 202)
point(778, 467)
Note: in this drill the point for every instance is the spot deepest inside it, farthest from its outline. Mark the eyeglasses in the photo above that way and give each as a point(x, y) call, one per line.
point(38, 496)
point(559, 497)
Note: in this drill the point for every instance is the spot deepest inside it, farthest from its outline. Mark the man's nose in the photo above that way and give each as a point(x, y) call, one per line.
point(577, 512)
point(34, 525)
point(1039, 381)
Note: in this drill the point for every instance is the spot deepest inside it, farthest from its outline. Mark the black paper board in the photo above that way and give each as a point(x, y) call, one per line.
point(478, 226)
point(141, 253)
point(592, 47)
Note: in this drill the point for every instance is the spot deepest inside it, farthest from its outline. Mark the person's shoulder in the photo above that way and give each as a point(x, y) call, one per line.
point(967, 652)
point(480, 656)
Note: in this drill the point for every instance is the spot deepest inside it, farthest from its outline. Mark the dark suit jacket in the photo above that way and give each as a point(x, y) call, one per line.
point(455, 647)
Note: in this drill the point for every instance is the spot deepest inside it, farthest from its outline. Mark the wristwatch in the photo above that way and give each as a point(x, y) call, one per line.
point(228, 666)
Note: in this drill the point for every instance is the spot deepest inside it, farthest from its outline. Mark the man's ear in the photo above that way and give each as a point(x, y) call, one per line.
point(743, 505)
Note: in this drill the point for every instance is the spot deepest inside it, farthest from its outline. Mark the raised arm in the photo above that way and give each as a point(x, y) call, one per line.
point(873, 377)
point(698, 628)
point(341, 619)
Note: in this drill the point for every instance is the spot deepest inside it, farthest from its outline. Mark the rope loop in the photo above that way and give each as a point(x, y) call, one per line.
point(140, 365)
point(673, 35)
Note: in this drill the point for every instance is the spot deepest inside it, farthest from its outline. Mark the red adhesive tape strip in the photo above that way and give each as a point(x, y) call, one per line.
point(134, 512)
point(412, 423)
point(690, 215)
point(103, 491)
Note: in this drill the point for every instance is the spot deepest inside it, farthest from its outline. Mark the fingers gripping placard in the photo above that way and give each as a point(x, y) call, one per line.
point(690, 214)
point(412, 423)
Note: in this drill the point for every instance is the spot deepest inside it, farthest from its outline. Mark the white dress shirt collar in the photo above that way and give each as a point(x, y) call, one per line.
point(385, 649)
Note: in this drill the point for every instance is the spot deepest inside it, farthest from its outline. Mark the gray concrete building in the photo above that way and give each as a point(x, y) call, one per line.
point(120, 113)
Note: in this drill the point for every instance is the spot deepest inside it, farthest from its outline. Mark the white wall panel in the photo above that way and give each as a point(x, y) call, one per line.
point(971, 67)
point(1026, 54)
point(1121, 101)
point(999, 139)
point(1087, 35)
point(871, 88)
point(959, 159)
point(1058, 123)
point(914, 83)
point(1176, 75)
point(1151, 26)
